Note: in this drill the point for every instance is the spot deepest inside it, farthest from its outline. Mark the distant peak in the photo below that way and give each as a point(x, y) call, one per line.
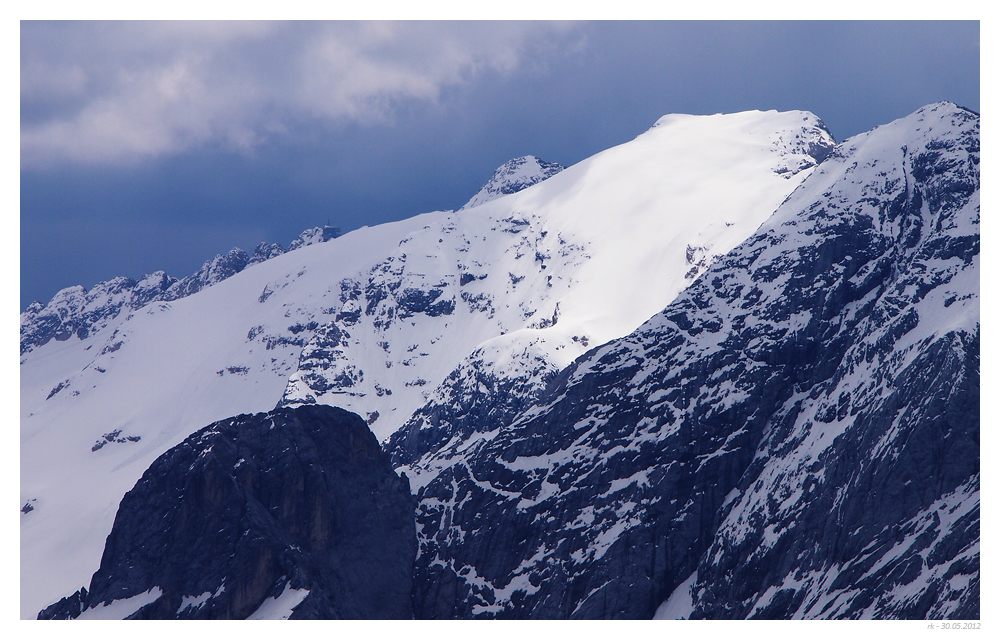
point(315, 235)
point(943, 109)
point(513, 176)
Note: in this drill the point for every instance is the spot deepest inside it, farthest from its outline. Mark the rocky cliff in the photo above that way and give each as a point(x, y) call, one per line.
point(296, 509)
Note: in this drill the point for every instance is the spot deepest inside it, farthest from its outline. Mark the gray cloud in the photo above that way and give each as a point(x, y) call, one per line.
point(112, 92)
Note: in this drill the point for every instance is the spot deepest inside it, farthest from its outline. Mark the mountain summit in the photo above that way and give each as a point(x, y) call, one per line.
point(513, 176)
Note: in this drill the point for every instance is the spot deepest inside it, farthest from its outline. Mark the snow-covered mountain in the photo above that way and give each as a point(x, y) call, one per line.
point(513, 176)
point(567, 461)
point(375, 320)
point(795, 436)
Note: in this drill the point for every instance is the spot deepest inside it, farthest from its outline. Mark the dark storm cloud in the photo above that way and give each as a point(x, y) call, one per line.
point(155, 146)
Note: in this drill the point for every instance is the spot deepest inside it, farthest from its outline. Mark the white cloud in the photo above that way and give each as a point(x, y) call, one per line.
point(112, 92)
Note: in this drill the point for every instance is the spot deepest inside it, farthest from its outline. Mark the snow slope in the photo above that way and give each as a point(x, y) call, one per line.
point(374, 320)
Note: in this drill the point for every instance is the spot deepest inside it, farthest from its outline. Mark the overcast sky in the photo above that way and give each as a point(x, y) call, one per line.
point(148, 146)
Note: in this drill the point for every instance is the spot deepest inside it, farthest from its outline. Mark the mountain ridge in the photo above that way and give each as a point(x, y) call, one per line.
point(516, 277)
point(668, 467)
point(76, 311)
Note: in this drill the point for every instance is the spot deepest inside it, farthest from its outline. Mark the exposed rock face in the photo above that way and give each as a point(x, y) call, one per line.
point(297, 499)
point(266, 251)
point(472, 399)
point(796, 436)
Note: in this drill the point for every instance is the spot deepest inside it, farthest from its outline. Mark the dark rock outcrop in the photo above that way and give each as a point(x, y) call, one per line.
point(300, 498)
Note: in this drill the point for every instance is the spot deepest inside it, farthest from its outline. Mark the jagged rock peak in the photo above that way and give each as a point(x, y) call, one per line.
point(76, 311)
point(266, 251)
point(213, 271)
point(314, 236)
point(513, 176)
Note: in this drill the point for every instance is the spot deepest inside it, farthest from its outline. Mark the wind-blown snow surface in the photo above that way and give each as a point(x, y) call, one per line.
point(376, 319)
point(795, 436)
